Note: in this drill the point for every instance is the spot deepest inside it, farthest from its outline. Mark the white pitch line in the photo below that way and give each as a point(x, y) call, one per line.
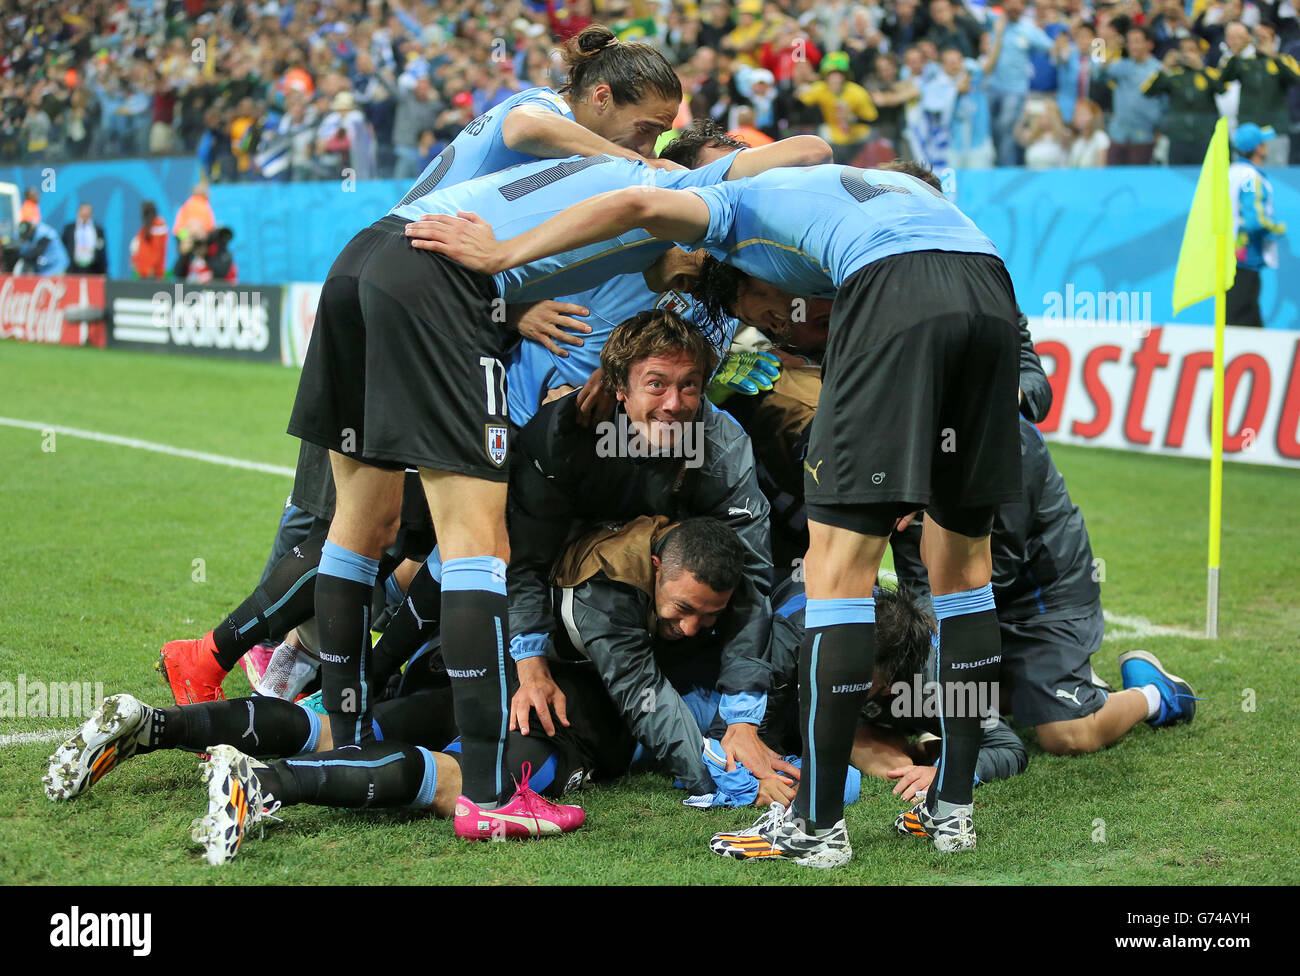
point(1142, 627)
point(32, 738)
point(94, 435)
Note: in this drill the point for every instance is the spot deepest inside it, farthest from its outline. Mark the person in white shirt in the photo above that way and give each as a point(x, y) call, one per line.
point(85, 243)
point(1043, 135)
point(1090, 140)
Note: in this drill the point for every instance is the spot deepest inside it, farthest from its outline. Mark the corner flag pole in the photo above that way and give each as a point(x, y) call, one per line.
point(1205, 239)
point(1216, 424)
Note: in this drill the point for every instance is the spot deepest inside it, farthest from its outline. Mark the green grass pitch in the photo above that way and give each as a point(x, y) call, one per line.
point(109, 551)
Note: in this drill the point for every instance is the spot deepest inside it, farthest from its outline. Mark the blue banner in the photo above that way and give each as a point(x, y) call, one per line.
point(1066, 235)
point(116, 190)
point(1095, 231)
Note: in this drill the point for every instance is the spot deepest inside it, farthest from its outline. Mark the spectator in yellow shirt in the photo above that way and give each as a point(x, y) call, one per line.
point(243, 137)
point(845, 106)
point(747, 36)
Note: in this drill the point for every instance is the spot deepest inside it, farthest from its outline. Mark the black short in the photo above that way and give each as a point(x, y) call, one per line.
point(597, 739)
point(313, 491)
point(404, 368)
point(422, 718)
point(919, 397)
point(1047, 667)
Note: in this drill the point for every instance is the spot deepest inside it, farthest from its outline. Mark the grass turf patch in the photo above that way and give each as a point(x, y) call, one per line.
point(108, 552)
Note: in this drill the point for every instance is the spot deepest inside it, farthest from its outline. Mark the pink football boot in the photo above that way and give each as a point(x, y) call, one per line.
point(527, 815)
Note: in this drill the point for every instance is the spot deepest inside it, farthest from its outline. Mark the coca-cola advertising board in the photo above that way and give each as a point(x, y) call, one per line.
point(65, 310)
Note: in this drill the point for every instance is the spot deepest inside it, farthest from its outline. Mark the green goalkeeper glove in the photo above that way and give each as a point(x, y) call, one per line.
point(744, 372)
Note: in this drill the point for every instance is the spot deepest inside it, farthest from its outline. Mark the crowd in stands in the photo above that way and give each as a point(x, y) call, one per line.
point(311, 89)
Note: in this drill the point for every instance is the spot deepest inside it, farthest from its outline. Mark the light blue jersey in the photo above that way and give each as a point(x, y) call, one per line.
point(534, 369)
point(478, 150)
point(518, 199)
point(808, 230)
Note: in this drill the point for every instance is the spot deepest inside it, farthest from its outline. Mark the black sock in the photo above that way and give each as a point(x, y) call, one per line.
point(414, 624)
point(343, 588)
point(474, 635)
point(378, 774)
point(835, 661)
point(970, 656)
point(286, 599)
point(257, 726)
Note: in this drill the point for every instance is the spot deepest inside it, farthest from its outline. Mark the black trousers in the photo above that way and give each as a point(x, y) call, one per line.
point(1243, 299)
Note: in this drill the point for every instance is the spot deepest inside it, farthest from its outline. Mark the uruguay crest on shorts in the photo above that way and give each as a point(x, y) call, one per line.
point(496, 443)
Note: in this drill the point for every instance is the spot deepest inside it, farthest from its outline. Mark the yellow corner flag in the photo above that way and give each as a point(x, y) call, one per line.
point(1207, 266)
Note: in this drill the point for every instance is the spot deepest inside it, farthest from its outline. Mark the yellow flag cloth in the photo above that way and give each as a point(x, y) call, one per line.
point(1211, 216)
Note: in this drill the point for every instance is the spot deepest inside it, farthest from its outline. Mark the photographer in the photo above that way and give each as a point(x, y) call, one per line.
point(39, 250)
point(205, 257)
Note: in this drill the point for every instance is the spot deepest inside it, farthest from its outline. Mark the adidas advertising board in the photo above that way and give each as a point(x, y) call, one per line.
point(236, 321)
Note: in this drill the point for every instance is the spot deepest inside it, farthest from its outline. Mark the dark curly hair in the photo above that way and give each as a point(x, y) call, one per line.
point(707, 549)
point(715, 292)
point(903, 634)
point(700, 134)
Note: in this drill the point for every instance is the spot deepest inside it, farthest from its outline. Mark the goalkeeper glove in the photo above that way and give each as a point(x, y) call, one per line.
point(744, 372)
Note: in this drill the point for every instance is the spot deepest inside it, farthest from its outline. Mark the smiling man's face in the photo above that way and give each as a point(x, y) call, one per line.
point(685, 607)
point(775, 312)
point(662, 396)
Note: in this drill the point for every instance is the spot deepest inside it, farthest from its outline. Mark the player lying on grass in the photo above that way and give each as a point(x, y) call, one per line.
point(1048, 602)
point(664, 588)
point(1044, 586)
point(1050, 617)
point(922, 340)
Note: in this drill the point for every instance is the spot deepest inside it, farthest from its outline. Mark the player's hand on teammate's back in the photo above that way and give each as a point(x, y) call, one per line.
point(537, 692)
point(549, 322)
point(556, 392)
point(466, 238)
point(912, 780)
point(743, 747)
point(595, 403)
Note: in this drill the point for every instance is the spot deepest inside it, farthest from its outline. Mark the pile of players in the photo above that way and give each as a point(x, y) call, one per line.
point(523, 465)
